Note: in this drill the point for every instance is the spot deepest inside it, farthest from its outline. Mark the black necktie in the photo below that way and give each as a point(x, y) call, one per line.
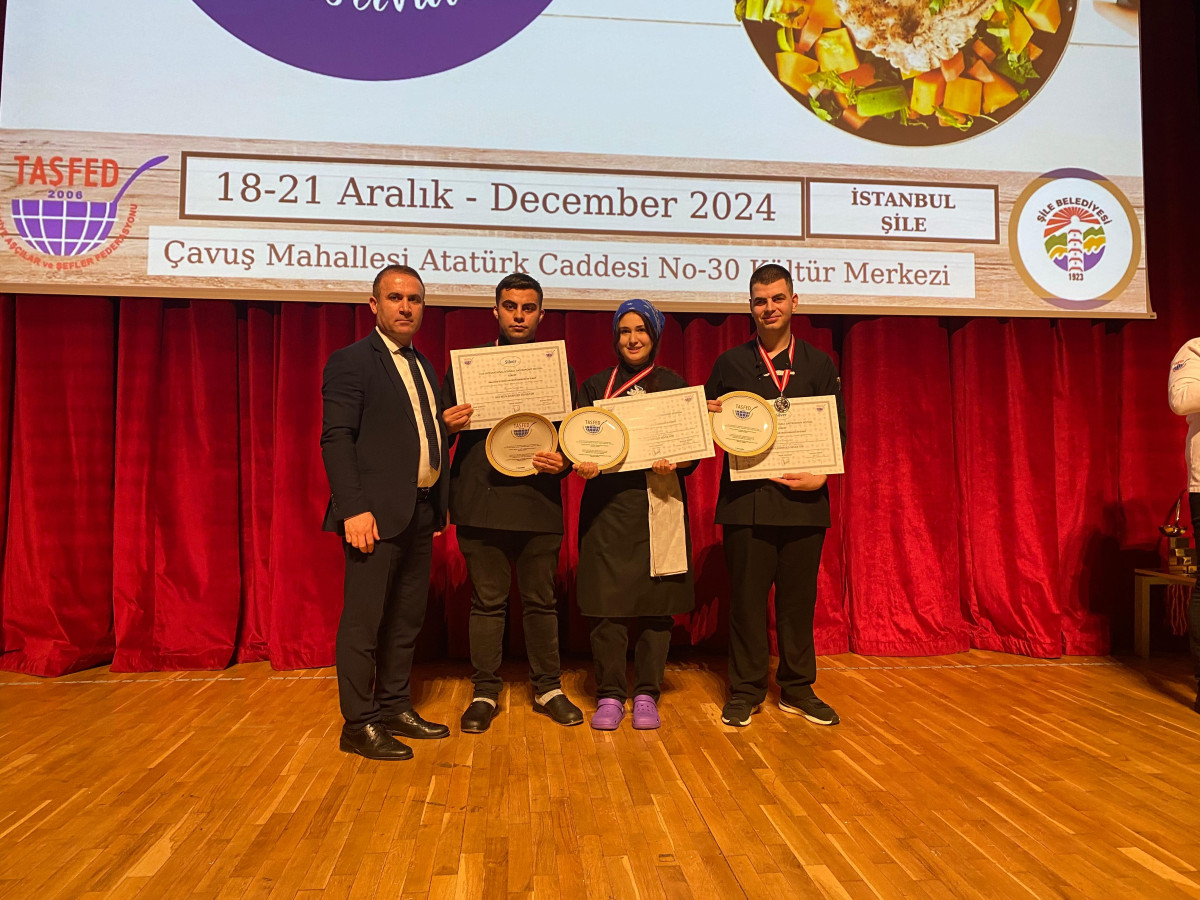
point(431, 434)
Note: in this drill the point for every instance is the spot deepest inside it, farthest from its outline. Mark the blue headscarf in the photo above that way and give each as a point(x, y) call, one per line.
point(650, 315)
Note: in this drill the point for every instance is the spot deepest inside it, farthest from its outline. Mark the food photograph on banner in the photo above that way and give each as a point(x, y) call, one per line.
point(896, 158)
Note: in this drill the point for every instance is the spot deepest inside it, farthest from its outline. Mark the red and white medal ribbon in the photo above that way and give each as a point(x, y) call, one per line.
point(608, 391)
point(782, 404)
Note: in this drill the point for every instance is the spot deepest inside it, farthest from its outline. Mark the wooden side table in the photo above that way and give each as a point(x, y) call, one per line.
point(1143, 580)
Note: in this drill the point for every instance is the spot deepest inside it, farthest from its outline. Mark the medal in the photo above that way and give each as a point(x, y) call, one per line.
point(631, 383)
point(782, 403)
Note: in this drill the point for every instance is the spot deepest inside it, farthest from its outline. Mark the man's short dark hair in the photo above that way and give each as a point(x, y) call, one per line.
point(518, 281)
point(771, 273)
point(395, 269)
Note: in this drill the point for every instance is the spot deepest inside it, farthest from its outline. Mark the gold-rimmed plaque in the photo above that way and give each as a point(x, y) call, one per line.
point(746, 424)
point(514, 440)
point(592, 434)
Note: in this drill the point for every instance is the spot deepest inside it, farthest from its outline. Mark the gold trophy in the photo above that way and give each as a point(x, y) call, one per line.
point(1181, 555)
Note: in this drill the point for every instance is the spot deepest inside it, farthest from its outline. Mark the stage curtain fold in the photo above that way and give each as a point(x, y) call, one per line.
point(58, 561)
point(305, 562)
point(901, 524)
point(1002, 376)
point(177, 563)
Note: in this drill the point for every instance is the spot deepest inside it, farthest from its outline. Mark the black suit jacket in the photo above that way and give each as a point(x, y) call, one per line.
point(764, 502)
point(369, 439)
point(481, 497)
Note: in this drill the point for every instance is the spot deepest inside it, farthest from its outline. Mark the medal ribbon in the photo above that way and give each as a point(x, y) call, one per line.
point(779, 383)
point(608, 391)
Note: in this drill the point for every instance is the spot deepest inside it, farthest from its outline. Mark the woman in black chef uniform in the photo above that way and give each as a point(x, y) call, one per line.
point(614, 582)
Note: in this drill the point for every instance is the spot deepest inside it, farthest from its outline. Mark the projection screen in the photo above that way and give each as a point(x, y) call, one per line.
point(957, 157)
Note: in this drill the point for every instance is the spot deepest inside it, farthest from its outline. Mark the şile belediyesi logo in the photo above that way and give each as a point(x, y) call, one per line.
point(61, 221)
point(1075, 239)
point(374, 40)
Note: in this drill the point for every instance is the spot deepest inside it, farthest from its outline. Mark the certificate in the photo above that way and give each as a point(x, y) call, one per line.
point(514, 440)
point(500, 381)
point(807, 439)
point(671, 425)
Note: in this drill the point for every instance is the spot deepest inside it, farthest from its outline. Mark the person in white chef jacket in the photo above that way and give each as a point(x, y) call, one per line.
point(1183, 388)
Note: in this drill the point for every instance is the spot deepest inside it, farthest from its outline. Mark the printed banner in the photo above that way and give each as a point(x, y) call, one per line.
point(977, 157)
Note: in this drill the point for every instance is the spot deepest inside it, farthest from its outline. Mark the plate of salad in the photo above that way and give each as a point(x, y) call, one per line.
point(918, 72)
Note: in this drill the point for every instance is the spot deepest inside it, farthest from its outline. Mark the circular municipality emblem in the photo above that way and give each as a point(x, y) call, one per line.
point(374, 40)
point(1075, 239)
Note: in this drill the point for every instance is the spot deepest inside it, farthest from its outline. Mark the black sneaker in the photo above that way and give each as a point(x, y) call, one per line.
point(812, 708)
point(737, 712)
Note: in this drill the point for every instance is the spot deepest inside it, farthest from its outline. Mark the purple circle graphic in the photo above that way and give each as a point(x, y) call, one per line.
point(374, 40)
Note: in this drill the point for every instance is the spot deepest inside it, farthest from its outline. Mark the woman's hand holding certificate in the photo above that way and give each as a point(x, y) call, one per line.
point(663, 425)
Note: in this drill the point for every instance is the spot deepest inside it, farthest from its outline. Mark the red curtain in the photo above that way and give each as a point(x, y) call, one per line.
point(161, 486)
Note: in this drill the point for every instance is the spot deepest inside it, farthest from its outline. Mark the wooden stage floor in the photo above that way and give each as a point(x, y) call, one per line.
point(976, 775)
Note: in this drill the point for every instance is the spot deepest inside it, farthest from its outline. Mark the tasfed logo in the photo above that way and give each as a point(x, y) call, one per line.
point(61, 220)
point(374, 40)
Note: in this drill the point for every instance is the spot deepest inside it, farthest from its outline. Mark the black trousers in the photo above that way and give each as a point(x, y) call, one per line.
point(1194, 602)
point(758, 556)
point(610, 646)
point(385, 596)
point(491, 554)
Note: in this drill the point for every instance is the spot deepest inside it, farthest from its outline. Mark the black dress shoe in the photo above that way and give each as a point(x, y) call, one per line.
point(408, 724)
point(478, 717)
point(373, 742)
point(560, 709)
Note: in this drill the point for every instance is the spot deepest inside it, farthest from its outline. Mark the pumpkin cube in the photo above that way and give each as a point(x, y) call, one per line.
point(983, 51)
point(808, 35)
point(794, 69)
point(1019, 31)
point(928, 91)
point(979, 71)
point(997, 93)
point(863, 76)
point(964, 95)
point(854, 118)
point(953, 67)
point(1044, 15)
point(835, 52)
point(825, 14)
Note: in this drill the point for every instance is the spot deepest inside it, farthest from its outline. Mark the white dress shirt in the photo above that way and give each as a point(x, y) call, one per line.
point(1183, 393)
point(427, 476)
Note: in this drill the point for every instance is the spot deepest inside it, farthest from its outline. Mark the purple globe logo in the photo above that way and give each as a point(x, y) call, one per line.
point(71, 227)
point(374, 40)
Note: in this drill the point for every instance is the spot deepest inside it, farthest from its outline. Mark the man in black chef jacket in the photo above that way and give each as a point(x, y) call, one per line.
point(773, 529)
point(504, 522)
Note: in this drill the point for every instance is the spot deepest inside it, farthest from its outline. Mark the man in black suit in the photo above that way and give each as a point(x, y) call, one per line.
point(384, 453)
point(504, 522)
point(773, 530)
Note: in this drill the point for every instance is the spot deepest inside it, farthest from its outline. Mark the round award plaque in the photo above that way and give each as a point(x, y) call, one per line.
point(591, 434)
point(513, 441)
point(746, 424)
